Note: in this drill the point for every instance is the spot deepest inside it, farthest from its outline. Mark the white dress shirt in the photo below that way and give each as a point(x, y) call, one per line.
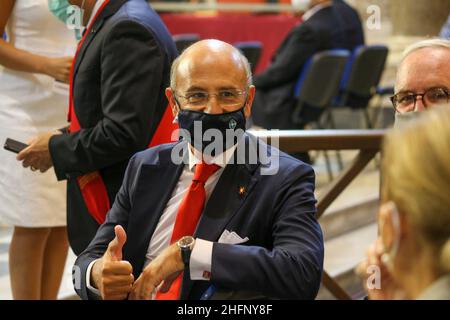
point(97, 6)
point(200, 261)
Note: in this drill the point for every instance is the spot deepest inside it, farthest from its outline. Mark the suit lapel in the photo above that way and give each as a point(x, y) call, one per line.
point(89, 37)
point(154, 189)
point(233, 187)
point(230, 192)
point(110, 9)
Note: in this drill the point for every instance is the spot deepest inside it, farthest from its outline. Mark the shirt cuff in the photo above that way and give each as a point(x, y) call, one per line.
point(200, 261)
point(88, 279)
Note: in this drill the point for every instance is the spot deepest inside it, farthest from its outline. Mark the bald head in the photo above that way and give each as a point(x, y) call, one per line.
point(211, 58)
point(425, 65)
point(211, 68)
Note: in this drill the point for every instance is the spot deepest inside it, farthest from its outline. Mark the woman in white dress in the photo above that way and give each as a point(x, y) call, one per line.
point(38, 51)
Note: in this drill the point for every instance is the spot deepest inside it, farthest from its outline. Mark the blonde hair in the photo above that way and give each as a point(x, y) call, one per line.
point(416, 173)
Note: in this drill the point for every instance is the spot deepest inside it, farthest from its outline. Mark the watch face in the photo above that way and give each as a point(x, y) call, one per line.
point(186, 241)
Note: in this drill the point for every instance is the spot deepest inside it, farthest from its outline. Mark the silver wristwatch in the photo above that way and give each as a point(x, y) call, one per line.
point(186, 245)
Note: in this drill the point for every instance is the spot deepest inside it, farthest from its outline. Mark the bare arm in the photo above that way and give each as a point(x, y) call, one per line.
point(11, 57)
point(21, 60)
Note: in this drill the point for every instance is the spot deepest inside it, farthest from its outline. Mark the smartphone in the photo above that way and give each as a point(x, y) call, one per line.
point(14, 146)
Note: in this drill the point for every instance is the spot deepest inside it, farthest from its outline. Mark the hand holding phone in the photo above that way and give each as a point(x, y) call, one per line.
point(14, 145)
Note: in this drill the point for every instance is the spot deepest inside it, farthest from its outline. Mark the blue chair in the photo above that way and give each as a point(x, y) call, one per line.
point(251, 50)
point(361, 78)
point(184, 40)
point(318, 84)
point(382, 91)
point(316, 88)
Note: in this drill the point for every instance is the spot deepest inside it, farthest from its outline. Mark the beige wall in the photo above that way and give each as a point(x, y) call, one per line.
point(418, 17)
point(407, 17)
point(402, 23)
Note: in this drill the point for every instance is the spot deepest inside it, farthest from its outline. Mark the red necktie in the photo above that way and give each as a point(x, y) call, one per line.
point(189, 213)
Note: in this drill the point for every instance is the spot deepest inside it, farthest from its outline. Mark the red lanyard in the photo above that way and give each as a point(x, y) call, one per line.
point(71, 116)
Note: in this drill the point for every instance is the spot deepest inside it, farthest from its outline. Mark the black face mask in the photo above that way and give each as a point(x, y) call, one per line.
point(218, 131)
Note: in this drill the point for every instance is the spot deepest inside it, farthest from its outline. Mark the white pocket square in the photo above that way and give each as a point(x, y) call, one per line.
point(231, 238)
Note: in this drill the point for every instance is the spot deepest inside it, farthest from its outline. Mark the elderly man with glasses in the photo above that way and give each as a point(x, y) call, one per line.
point(217, 222)
point(423, 82)
point(423, 78)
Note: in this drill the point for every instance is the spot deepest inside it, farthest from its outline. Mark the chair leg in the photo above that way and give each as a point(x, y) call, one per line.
point(330, 119)
point(377, 110)
point(369, 124)
point(328, 163)
point(314, 155)
point(376, 121)
point(325, 153)
point(339, 160)
point(376, 161)
point(332, 124)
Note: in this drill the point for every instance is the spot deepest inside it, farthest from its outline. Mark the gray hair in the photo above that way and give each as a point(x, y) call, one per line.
point(429, 43)
point(176, 62)
point(435, 43)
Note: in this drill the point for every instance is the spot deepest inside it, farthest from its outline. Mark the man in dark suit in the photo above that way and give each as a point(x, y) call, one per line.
point(120, 72)
point(351, 23)
point(257, 235)
point(323, 28)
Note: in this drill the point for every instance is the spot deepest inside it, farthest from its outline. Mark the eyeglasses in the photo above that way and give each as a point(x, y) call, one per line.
point(406, 101)
point(229, 97)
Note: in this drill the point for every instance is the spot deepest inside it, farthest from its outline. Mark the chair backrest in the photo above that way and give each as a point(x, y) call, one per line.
point(363, 75)
point(251, 50)
point(184, 40)
point(319, 82)
point(320, 78)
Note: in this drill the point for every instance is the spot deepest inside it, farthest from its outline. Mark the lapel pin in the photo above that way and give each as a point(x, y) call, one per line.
point(241, 191)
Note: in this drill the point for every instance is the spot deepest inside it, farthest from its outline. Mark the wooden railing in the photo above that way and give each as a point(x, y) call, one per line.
point(368, 142)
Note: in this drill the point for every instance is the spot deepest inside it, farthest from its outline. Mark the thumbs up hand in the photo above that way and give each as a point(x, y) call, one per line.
point(110, 274)
point(114, 251)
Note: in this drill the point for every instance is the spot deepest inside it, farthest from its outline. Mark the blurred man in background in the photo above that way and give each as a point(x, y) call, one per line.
point(116, 108)
point(423, 82)
point(423, 78)
point(326, 25)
